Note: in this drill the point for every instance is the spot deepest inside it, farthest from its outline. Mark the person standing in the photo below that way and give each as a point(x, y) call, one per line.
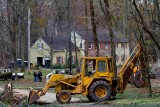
point(40, 76)
point(35, 76)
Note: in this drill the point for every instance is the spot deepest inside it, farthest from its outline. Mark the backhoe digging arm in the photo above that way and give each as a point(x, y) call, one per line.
point(127, 69)
point(36, 94)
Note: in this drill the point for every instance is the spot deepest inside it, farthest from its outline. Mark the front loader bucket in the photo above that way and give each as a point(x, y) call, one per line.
point(33, 96)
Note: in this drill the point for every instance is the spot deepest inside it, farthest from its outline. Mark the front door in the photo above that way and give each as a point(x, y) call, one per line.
point(39, 61)
point(47, 63)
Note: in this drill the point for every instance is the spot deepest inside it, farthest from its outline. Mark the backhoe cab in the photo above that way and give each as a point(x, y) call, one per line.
point(95, 80)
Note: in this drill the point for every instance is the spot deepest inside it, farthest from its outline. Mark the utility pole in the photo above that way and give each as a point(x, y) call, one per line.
point(29, 24)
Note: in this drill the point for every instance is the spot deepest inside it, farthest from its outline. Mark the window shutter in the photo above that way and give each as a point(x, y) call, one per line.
point(74, 59)
point(56, 60)
point(62, 60)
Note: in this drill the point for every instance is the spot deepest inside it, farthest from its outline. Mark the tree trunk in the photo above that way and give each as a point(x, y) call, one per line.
point(86, 37)
point(13, 23)
point(22, 34)
point(151, 34)
point(144, 57)
point(108, 19)
point(69, 34)
point(144, 63)
point(29, 39)
point(94, 28)
point(157, 12)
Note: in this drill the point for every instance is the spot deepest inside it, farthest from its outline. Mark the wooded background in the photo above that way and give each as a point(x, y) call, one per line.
point(136, 20)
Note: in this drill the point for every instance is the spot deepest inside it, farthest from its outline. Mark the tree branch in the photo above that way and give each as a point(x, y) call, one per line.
point(144, 26)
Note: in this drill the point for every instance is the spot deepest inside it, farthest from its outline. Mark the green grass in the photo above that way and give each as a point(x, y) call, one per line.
point(131, 97)
point(135, 102)
point(27, 82)
point(29, 74)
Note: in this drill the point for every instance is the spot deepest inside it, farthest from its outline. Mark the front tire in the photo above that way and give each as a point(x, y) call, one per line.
point(57, 96)
point(100, 90)
point(64, 97)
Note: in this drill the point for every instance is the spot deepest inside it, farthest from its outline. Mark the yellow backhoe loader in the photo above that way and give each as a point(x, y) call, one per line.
point(95, 80)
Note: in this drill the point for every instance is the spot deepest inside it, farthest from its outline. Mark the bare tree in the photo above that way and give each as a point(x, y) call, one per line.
point(108, 18)
point(94, 28)
point(22, 32)
point(141, 23)
point(86, 27)
point(12, 25)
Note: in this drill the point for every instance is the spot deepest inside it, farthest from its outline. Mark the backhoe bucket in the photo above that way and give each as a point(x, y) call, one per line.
point(33, 96)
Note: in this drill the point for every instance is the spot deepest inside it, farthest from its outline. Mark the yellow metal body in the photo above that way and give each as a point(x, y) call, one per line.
point(80, 83)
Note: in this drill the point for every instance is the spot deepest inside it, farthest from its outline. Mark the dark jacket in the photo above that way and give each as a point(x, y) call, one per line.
point(35, 74)
point(39, 74)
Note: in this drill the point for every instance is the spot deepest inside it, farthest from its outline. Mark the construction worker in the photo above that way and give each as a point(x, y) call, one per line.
point(137, 68)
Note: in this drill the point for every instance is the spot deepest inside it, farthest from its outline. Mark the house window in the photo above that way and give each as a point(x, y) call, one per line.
point(39, 46)
point(89, 45)
point(73, 59)
point(126, 45)
point(39, 39)
point(151, 1)
point(116, 57)
point(123, 57)
point(117, 45)
point(106, 45)
point(122, 45)
point(59, 60)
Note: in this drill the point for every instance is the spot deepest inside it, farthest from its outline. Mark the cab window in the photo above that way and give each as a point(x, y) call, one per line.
point(101, 66)
point(90, 67)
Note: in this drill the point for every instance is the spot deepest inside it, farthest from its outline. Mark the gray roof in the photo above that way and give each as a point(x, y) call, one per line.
point(61, 42)
point(103, 36)
point(58, 42)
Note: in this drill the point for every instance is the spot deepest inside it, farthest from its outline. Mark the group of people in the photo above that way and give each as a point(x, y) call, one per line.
point(37, 76)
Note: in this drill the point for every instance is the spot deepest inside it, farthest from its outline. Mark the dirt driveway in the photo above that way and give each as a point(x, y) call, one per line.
point(48, 97)
point(51, 98)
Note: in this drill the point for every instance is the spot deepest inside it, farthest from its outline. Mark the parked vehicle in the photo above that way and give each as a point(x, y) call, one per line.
point(5, 74)
point(19, 64)
point(8, 74)
point(19, 75)
point(11, 64)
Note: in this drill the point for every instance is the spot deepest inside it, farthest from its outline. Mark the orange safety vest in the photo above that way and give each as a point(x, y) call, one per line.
point(136, 68)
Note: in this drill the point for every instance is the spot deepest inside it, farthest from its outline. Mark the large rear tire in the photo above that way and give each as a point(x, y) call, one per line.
point(64, 97)
point(100, 91)
point(89, 98)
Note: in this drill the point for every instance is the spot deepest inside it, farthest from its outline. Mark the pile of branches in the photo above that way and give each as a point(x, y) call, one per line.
point(7, 97)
